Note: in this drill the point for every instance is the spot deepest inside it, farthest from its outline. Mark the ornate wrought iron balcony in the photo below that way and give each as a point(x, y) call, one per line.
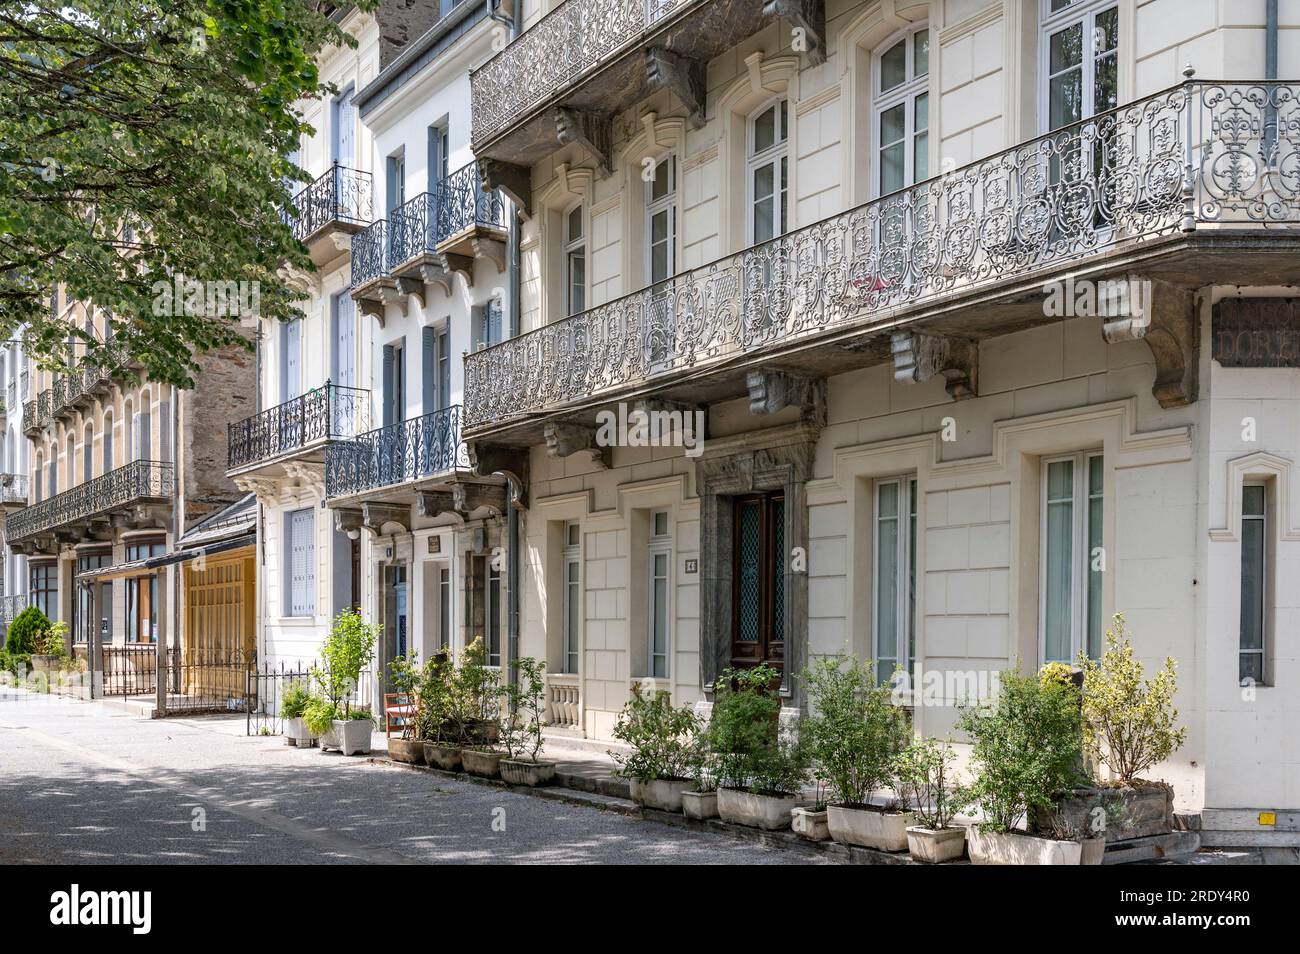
point(399, 453)
point(447, 220)
point(464, 205)
point(71, 512)
point(327, 413)
point(38, 413)
point(341, 196)
point(370, 249)
point(13, 491)
point(1150, 177)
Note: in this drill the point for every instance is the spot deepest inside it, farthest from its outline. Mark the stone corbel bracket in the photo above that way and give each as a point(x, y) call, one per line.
point(514, 180)
point(375, 515)
point(773, 391)
point(565, 440)
point(1164, 316)
point(453, 263)
point(413, 288)
point(461, 501)
point(918, 357)
point(665, 69)
point(511, 462)
point(806, 15)
point(587, 130)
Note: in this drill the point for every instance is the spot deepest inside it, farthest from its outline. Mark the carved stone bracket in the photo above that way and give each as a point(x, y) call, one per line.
point(806, 15)
point(514, 180)
point(1164, 316)
point(375, 515)
point(587, 130)
point(461, 501)
point(512, 462)
point(372, 309)
point(774, 391)
point(348, 520)
point(665, 69)
point(414, 288)
point(434, 503)
point(565, 440)
point(918, 357)
point(493, 249)
point(453, 262)
point(433, 273)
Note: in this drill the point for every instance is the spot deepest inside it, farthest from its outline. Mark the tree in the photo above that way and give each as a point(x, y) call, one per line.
point(142, 141)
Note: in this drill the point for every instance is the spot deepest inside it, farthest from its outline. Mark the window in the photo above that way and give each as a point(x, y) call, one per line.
point(43, 588)
point(98, 625)
point(487, 324)
point(396, 181)
point(142, 594)
point(767, 172)
point(903, 112)
point(661, 221)
point(1254, 582)
point(758, 588)
point(300, 563)
point(659, 625)
point(444, 607)
point(394, 371)
point(1072, 557)
point(895, 577)
point(492, 611)
point(88, 453)
point(1080, 59)
point(290, 359)
point(444, 367)
point(344, 316)
point(572, 595)
point(575, 262)
point(108, 441)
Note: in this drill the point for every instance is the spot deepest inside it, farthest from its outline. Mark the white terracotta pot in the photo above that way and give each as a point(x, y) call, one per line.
point(1010, 848)
point(869, 827)
point(810, 824)
point(532, 774)
point(329, 739)
point(770, 812)
point(353, 735)
point(700, 805)
point(935, 846)
point(665, 794)
point(297, 733)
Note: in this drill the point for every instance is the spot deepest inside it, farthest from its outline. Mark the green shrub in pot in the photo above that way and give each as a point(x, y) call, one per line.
point(663, 740)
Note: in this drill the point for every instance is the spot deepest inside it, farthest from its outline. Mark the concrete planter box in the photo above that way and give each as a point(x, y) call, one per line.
point(478, 762)
point(1017, 848)
point(297, 733)
point(769, 812)
point(810, 824)
point(441, 756)
point(935, 846)
point(700, 805)
point(349, 736)
point(45, 663)
point(1129, 811)
point(1093, 851)
point(483, 731)
point(870, 827)
point(532, 774)
point(409, 751)
point(664, 794)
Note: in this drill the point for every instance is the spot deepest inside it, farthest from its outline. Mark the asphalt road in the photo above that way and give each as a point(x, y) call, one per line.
point(88, 783)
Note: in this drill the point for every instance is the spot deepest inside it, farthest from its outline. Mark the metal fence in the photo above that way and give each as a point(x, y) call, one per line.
point(267, 683)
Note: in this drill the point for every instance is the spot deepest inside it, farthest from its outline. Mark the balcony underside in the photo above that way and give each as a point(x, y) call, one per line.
point(290, 464)
point(1178, 264)
point(331, 242)
point(696, 35)
point(142, 514)
point(452, 498)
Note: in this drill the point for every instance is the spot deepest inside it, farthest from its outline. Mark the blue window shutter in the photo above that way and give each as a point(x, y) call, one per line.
point(389, 397)
point(429, 368)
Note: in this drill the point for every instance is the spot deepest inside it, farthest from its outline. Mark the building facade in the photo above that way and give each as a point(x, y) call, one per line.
point(934, 332)
point(13, 474)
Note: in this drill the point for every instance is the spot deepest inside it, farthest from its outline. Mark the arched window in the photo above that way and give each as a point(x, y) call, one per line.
point(36, 484)
point(901, 101)
point(767, 171)
point(108, 442)
point(128, 433)
point(87, 453)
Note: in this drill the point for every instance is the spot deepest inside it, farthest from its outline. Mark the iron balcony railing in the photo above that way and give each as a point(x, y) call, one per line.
point(13, 488)
point(396, 454)
point(136, 481)
point(457, 204)
point(412, 230)
point(340, 195)
point(329, 412)
point(370, 249)
point(1198, 155)
point(10, 607)
point(556, 53)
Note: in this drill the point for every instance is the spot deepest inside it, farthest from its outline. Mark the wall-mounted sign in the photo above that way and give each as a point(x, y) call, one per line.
point(1257, 333)
point(692, 566)
point(435, 544)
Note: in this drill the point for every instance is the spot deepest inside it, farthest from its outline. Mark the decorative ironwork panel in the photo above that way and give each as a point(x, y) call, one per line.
point(411, 232)
point(138, 480)
point(340, 195)
point(370, 253)
point(462, 203)
point(329, 412)
point(397, 454)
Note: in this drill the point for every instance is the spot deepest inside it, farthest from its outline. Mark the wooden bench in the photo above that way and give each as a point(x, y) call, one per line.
point(400, 709)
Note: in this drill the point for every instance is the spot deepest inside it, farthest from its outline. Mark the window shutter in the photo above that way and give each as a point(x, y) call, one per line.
point(388, 385)
point(429, 368)
point(165, 431)
point(444, 369)
point(494, 321)
point(343, 334)
point(301, 563)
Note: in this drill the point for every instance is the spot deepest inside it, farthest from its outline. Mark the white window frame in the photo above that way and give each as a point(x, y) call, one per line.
point(771, 156)
point(574, 245)
point(904, 595)
point(1265, 569)
point(572, 654)
point(1085, 12)
point(661, 545)
point(666, 205)
point(914, 84)
point(1080, 551)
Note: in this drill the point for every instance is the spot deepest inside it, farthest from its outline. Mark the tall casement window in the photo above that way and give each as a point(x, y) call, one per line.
point(758, 580)
point(88, 453)
point(487, 324)
point(1254, 582)
point(575, 261)
point(767, 172)
point(290, 359)
point(300, 562)
point(37, 472)
point(492, 607)
point(572, 595)
point(1072, 557)
point(94, 626)
point(344, 116)
point(394, 381)
point(661, 221)
point(142, 595)
point(444, 366)
point(395, 168)
point(43, 588)
point(894, 593)
point(108, 441)
point(659, 626)
point(444, 607)
point(1080, 44)
point(343, 361)
point(902, 112)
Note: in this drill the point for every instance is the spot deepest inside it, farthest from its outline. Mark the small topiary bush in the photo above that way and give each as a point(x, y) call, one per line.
point(27, 631)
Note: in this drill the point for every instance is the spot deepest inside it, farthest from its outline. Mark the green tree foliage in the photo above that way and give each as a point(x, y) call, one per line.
point(662, 737)
point(27, 631)
point(349, 648)
point(145, 139)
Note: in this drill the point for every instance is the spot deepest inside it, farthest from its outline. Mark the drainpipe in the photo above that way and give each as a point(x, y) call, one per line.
point(1270, 73)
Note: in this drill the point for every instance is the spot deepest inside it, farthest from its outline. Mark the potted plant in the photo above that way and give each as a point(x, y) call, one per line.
point(293, 704)
point(1130, 725)
point(700, 800)
point(441, 719)
point(478, 692)
point(760, 769)
point(1025, 749)
point(662, 739)
point(523, 734)
point(404, 677)
point(924, 772)
point(348, 649)
point(854, 733)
